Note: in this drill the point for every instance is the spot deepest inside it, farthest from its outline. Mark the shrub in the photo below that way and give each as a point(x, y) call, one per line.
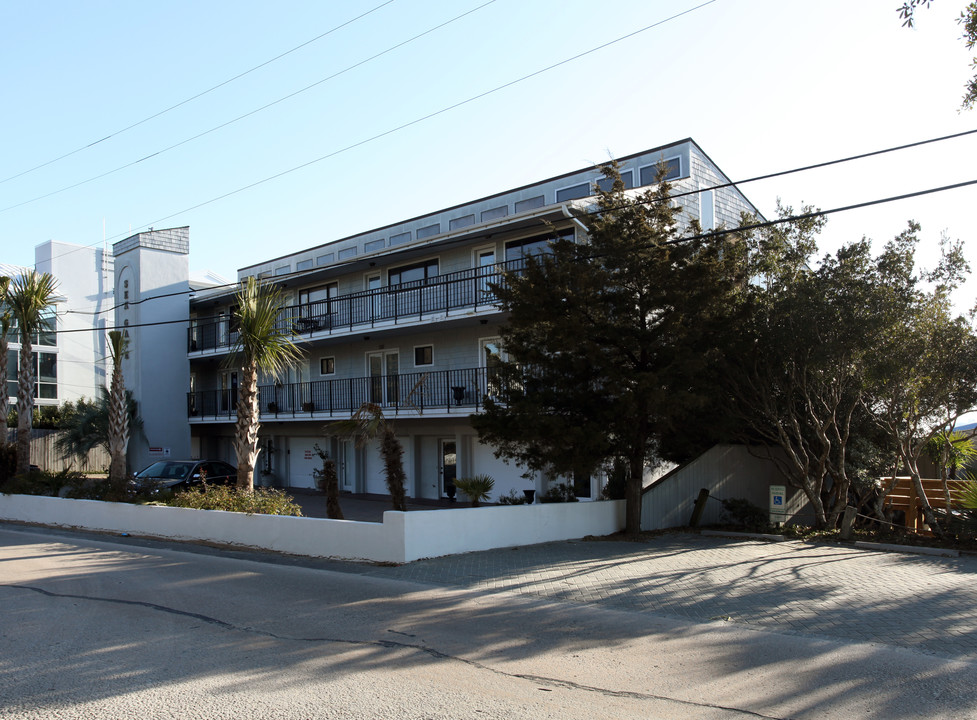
point(66, 483)
point(260, 501)
point(559, 494)
point(511, 498)
point(617, 481)
point(743, 513)
point(477, 488)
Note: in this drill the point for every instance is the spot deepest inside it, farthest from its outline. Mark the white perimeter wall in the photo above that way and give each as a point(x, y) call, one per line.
point(401, 537)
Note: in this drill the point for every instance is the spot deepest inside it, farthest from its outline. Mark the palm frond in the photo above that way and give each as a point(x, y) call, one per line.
point(263, 336)
point(366, 424)
point(28, 296)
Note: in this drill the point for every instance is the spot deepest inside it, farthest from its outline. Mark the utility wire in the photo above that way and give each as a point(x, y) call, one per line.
point(819, 213)
point(712, 235)
point(829, 163)
point(192, 98)
point(730, 184)
point(416, 120)
point(247, 114)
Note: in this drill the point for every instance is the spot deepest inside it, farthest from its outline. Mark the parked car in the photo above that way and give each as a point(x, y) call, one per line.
point(182, 474)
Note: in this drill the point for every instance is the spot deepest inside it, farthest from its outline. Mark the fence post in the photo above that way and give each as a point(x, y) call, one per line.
point(700, 507)
point(846, 522)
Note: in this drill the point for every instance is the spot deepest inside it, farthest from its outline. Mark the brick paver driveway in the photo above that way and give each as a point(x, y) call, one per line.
point(920, 602)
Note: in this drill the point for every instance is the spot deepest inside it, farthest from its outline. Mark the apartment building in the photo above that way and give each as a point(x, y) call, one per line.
point(69, 351)
point(403, 316)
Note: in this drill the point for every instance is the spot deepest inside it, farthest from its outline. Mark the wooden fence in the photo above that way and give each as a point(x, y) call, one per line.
point(904, 498)
point(46, 456)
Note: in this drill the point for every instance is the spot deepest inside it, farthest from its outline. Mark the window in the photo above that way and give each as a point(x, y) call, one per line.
point(400, 238)
point(574, 192)
point(428, 231)
point(45, 375)
point(533, 245)
point(314, 308)
point(11, 373)
point(283, 270)
point(417, 272)
point(423, 355)
point(304, 265)
point(530, 204)
point(327, 366)
point(462, 222)
point(707, 210)
point(324, 292)
point(495, 213)
point(649, 173)
point(46, 335)
point(373, 245)
point(606, 184)
point(324, 259)
point(347, 253)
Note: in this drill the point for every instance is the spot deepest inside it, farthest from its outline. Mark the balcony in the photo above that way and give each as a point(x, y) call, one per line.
point(442, 392)
point(412, 301)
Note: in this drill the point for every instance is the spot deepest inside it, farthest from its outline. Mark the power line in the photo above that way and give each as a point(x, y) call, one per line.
point(712, 235)
point(247, 114)
point(821, 213)
point(194, 97)
point(829, 163)
point(415, 121)
point(730, 184)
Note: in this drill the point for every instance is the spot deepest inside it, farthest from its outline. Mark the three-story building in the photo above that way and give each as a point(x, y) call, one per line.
point(403, 316)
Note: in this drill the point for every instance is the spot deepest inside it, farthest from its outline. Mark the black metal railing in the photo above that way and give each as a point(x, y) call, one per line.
point(406, 301)
point(443, 390)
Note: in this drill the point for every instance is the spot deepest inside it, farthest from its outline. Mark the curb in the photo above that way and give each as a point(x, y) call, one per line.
point(862, 544)
point(750, 536)
point(914, 549)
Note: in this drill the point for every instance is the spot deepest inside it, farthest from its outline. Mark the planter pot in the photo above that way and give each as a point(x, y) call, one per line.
point(530, 496)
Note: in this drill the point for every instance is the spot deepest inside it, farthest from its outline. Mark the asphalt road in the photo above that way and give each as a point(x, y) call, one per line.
point(91, 628)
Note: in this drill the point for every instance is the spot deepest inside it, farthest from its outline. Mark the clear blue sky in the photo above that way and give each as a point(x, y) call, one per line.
point(761, 85)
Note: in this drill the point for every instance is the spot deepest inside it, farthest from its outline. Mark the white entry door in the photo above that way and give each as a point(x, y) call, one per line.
point(384, 371)
point(302, 460)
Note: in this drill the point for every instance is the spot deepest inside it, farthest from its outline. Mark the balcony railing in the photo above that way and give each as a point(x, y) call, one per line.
point(409, 393)
point(468, 289)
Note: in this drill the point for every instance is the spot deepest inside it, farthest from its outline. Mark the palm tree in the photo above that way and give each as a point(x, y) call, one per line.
point(366, 424)
point(29, 296)
point(118, 413)
point(261, 347)
point(6, 318)
point(88, 426)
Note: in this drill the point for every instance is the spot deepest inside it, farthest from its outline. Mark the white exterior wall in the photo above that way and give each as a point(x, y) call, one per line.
point(401, 537)
point(727, 471)
point(155, 265)
point(454, 333)
point(84, 276)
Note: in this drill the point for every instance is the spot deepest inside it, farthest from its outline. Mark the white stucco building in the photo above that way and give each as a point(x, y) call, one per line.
point(402, 316)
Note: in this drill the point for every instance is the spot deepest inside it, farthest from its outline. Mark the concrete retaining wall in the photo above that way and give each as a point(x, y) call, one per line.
point(401, 537)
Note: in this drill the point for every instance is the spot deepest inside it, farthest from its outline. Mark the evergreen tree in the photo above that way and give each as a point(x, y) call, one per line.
point(605, 339)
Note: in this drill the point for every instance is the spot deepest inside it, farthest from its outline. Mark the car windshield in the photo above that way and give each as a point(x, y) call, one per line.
point(165, 470)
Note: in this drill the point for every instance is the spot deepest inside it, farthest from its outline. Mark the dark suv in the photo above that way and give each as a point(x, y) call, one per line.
point(183, 474)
